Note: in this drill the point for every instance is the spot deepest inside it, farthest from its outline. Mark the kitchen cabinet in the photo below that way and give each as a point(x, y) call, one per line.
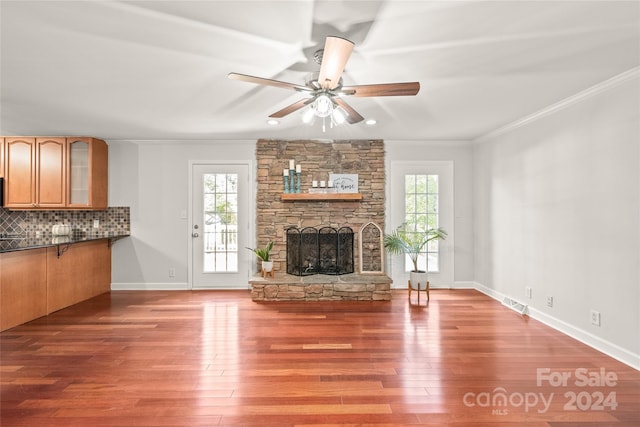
point(20, 176)
point(1, 157)
point(50, 173)
point(83, 271)
point(56, 173)
point(37, 282)
point(35, 172)
point(88, 173)
point(23, 287)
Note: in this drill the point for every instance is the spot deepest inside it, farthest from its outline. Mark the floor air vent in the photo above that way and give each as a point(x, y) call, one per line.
point(515, 306)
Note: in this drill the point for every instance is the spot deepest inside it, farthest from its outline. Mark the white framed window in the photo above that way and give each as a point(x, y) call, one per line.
point(421, 213)
point(220, 222)
point(421, 192)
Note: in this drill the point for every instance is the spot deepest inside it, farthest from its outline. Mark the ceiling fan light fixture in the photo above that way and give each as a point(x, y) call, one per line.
point(325, 91)
point(308, 115)
point(338, 116)
point(273, 122)
point(323, 105)
point(371, 122)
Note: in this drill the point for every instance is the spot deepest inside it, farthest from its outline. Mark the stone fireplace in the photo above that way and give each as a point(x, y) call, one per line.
point(322, 250)
point(277, 216)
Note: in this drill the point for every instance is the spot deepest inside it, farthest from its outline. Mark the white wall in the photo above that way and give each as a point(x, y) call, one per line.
point(556, 208)
point(152, 177)
point(460, 153)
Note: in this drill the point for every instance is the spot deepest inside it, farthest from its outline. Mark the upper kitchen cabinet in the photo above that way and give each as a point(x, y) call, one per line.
point(88, 173)
point(20, 175)
point(51, 173)
point(56, 173)
point(35, 173)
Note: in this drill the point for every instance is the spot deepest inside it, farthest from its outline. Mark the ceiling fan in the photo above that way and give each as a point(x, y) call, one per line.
point(325, 91)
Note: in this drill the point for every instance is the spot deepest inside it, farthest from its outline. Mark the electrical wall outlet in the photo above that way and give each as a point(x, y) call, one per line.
point(549, 301)
point(172, 272)
point(595, 318)
point(528, 292)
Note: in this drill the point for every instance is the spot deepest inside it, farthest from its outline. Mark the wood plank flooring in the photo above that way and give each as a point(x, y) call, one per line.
point(215, 358)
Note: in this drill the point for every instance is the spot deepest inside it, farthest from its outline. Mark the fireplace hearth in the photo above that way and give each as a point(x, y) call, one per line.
point(324, 250)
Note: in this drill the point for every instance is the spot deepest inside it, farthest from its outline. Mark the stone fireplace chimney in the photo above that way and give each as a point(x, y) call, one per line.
point(318, 159)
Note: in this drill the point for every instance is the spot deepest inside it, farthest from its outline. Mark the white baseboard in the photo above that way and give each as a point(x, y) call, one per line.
point(172, 286)
point(623, 355)
point(464, 285)
point(455, 285)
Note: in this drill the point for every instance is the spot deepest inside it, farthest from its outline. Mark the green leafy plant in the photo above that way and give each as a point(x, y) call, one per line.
point(263, 253)
point(407, 240)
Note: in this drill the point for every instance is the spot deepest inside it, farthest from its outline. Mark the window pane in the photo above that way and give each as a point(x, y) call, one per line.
point(432, 221)
point(232, 183)
point(410, 203)
point(432, 201)
point(221, 183)
point(421, 203)
point(432, 184)
point(410, 184)
point(232, 203)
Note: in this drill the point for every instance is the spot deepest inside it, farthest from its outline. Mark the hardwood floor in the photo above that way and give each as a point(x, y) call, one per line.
point(216, 358)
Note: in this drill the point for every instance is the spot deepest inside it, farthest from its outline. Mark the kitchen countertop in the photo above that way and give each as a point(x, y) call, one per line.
point(8, 244)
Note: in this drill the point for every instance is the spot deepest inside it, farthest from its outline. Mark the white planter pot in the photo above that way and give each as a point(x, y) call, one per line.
point(267, 266)
point(418, 280)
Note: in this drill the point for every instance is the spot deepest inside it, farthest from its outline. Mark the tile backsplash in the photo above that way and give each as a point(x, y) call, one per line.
point(113, 221)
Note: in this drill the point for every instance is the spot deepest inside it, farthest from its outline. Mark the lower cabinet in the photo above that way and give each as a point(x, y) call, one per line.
point(23, 287)
point(37, 282)
point(81, 272)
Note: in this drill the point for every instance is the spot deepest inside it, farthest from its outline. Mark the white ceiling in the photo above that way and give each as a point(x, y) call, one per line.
point(146, 70)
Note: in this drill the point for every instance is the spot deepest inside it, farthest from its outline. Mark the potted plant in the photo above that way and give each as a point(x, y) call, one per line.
point(410, 240)
point(263, 254)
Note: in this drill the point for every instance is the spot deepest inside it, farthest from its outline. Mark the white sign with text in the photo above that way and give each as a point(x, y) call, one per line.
point(344, 183)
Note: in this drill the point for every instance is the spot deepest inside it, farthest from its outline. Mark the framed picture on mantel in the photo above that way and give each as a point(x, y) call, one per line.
point(344, 183)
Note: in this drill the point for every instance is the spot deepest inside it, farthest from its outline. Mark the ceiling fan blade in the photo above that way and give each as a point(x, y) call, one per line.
point(384, 89)
point(267, 82)
point(334, 58)
point(291, 108)
point(352, 115)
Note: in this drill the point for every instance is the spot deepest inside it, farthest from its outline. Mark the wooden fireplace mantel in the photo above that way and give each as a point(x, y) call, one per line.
point(290, 197)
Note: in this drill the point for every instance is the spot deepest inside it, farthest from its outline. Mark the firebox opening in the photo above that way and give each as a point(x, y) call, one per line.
point(319, 251)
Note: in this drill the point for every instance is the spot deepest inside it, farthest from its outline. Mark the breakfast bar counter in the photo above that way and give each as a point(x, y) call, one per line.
point(12, 243)
point(41, 275)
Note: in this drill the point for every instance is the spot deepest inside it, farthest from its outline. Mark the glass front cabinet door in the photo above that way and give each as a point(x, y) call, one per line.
point(87, 172)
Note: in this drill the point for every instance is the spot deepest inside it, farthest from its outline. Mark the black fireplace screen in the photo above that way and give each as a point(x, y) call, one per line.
point(319, 251)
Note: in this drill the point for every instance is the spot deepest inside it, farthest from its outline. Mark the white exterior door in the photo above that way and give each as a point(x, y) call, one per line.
point(219, 226)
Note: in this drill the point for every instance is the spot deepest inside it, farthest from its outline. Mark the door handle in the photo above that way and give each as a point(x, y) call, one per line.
point(194, 235)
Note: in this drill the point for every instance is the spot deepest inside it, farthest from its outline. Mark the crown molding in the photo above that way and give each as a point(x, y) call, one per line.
point(565, 103)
